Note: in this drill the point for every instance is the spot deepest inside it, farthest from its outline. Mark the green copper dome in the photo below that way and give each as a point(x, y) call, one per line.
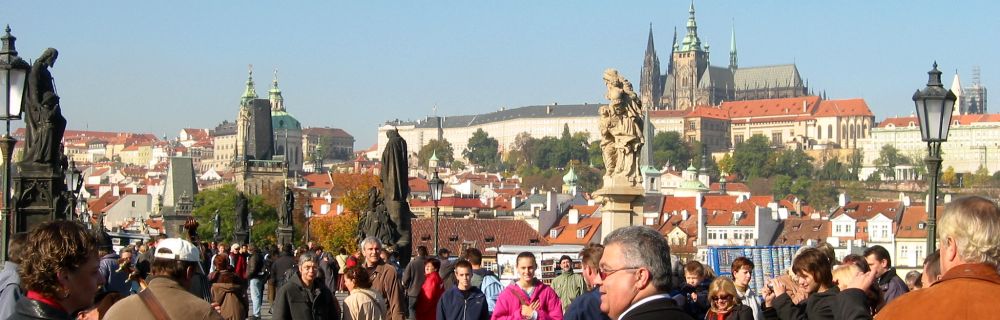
point(281, 120)
point(570, 178)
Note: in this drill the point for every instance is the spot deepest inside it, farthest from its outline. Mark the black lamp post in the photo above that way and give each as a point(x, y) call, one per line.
point(84, 212)
point(436, 185)
point(308, 214)
point(74, 183)
point(13, 74)
point(934, 107)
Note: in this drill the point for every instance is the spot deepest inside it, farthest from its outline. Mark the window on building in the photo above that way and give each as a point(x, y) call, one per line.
point(919, 253)
point(776, 139)
point(737, 139)
point(903, 250)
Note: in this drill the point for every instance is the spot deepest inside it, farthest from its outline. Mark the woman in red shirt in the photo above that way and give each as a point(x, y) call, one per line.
point(430, 292)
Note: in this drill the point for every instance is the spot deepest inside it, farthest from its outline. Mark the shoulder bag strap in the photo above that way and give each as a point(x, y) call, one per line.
point(153, 305)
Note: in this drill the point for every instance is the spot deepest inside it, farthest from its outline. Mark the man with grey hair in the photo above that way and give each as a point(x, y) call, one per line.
point(969, 242)
point(635, 276)
point(384, 278)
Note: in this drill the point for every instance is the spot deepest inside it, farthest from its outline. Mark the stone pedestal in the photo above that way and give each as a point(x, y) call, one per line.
point(39, 196)
point(242, 237)
point(621, 204)
point(286, 235)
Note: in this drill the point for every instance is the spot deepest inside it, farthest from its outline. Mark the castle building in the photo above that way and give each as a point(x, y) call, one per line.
point(690, 80)
point(254, 166)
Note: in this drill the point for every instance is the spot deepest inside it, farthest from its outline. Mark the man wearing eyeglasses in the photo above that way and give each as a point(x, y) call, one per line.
point(635, 276)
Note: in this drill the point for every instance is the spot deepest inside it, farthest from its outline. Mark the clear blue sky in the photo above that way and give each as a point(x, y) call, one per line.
point(158, 66)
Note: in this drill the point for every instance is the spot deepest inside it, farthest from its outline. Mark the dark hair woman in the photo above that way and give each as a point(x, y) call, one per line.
point(814, 271)
point(227, 290)
point(59, 271)
point(527, 298)
point(362, 303)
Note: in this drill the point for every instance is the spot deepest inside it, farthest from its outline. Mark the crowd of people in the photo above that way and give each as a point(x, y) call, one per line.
point(62, 270)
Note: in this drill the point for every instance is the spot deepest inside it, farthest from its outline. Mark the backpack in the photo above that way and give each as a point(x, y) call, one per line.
point(491, 287)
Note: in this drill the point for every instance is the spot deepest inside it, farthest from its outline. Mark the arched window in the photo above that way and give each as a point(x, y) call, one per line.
point(829, 131)
point(819, 133)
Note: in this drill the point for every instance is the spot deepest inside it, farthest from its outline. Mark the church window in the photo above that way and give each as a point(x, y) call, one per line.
point(819, 133)
point(829, 131)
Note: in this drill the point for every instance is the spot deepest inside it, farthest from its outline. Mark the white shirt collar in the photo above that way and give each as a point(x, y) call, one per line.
point(643, 301)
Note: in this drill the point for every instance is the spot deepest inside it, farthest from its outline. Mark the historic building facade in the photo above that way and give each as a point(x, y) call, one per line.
point(690, 80)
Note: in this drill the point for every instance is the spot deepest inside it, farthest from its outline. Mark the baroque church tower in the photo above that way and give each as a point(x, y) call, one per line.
point(244, 121)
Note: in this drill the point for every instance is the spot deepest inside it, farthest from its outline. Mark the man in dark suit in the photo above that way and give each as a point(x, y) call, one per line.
point(635, 276)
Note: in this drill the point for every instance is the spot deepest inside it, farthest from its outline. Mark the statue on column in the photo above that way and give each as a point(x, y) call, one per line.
point(392, 206)
point(242, 213)
point(285, 216)
point(217, 224)
point(44, 122)
point(620, 127)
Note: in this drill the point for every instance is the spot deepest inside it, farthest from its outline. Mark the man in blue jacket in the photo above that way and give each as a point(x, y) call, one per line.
point(463, 302)
point(588, 305)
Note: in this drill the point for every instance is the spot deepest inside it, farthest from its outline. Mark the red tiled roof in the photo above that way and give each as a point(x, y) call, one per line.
point(196, 134)
point(798, 231)
point(864, 210)
point(318, 180)
point(965, 119)
point(909, 225)
point(418, 184)
point(482, 233)
point(708, 112)
point(730, 186)
point(770, 107)
point(568, 232)
point(449, 202)
point(667, 113)
point(845, 107)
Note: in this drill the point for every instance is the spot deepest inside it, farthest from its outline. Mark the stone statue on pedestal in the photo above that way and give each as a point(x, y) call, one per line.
point(242, 219)
point(620, 127)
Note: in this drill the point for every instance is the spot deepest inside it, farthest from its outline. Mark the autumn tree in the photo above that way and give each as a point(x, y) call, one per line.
point(948, 177)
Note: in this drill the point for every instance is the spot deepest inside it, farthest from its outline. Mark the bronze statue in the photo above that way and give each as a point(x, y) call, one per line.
point(285, 218)
point(392, 204)
point(217, 235)
point(242, 213)
point(44, 122)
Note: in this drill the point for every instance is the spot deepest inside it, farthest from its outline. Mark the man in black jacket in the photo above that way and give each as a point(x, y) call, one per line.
point(255, 276)
point(303, 296)
point(413, 278)
point(891, 285)
point(635, 276)
point(282, 265)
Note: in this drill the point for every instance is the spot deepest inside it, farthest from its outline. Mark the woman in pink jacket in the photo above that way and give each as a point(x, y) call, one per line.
point(527, 298)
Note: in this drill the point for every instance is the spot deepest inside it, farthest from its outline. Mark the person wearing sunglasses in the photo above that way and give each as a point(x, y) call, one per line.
point(724, 303)
point(527, 298)
point(635, 276)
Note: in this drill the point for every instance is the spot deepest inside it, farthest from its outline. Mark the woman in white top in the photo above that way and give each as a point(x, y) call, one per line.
point(362, 303)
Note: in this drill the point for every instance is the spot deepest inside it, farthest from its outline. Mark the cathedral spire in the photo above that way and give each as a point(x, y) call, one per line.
point(691, 41)
point(649, 88)
point(250, 93)
point(274, 95)
point(732, 49)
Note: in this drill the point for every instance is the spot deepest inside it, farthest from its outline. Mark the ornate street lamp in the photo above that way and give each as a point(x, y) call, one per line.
point(436, 185)
point(13, 73)
point(74, 183)
point(934, 107)
point(309, 214)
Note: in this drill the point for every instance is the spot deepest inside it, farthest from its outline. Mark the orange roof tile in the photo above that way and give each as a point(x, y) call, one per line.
point(845, 107)
point(797, 231)
point(771, 107)
point(909, 225)
point(708, 112)
point(568, 233)
point(482, 233)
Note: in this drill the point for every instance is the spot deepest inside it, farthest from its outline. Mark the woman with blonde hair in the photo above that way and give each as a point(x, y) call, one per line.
point(725, 304)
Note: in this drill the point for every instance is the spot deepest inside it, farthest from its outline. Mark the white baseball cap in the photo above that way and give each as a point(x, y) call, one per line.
point(180, 249)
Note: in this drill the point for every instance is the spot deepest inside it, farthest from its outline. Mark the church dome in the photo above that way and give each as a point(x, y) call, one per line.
point(281, 120)
point(570, 178)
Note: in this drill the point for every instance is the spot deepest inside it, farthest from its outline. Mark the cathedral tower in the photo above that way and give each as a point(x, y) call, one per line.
point(650, 84)
point(690, 62)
